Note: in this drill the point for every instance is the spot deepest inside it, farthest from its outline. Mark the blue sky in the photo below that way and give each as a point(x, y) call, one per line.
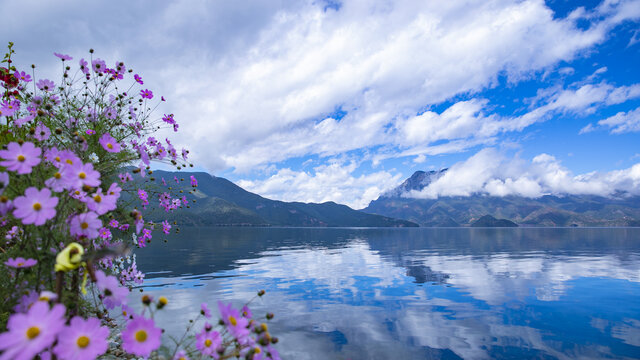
point(342, 100)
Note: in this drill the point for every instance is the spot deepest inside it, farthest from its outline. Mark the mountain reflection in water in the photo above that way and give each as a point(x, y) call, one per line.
point(413, 293)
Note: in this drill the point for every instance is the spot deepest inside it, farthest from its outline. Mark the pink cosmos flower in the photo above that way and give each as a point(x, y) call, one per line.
point(90, 132)
point(235, 323)
point(114, 223)
point(114, 190)
point(141, 336)
point(42, 132)
point(105, 233)
point(146, 94)
point(82, 339)
point(20, 263)
point(56, 183)
point(45, 85)
point(6, 205)
point(181, 355)
point(20, 158)
point(208, 341)
point(66, 158)
point(79, 175)
point(99, 66)
point(63, 57)
point(111, 292)
point(9, 107)
point(22, 76)
point(86, 224)
point(124, 177)
point(100, 203)
point(166, 227)
point(124, 227)
point(194, 182)
point(204, 310)
point(109, 143)
point(35, 207)
point(28, 334)
point(84, 66)
point(138, 79)
point(24, 120)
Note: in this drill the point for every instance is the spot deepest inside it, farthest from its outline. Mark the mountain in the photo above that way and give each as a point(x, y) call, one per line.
point(218, 201)
point(549, 210)
point(490, 221)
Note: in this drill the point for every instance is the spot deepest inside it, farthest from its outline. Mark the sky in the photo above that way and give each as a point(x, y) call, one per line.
point(339, 101)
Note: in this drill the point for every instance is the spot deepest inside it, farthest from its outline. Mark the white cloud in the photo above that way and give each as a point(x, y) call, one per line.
point(491, 172)
point(253, 79)
point(623, 122)
point(334, 182)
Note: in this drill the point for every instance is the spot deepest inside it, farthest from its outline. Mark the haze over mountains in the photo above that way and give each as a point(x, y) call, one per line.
point(548, 210)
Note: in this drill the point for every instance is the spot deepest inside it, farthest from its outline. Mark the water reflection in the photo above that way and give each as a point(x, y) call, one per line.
point(415, 293)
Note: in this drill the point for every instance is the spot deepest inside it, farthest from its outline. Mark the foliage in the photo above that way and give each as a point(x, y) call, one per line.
point(64, 221)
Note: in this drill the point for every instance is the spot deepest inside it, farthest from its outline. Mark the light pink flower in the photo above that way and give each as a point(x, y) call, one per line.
point(35, 207)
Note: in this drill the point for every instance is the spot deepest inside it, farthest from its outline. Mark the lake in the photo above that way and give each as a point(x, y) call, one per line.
point(422, 293)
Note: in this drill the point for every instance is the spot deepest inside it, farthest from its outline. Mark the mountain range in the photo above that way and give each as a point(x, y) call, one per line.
point(549, 210)
point(218, 201)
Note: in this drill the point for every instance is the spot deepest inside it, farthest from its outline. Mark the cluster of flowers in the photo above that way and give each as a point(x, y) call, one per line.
point(62, 190)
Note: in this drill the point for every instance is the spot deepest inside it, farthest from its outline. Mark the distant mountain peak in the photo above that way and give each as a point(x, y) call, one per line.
point(418, 181)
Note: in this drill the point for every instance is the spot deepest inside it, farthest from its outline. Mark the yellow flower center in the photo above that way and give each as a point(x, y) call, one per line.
point(68, 161)
point(57, 175)
point(43, 298)
point(21, 158)
point(84, 225)
point(233, 320)
point(33, 332)
point(141, 335)
point(20, 264)
point(97, 198)
point(37, 206)
point(58, 158)
point(82, 341)
point(82, 175)
point(257, 350)
point(163, 300)
point(207, 342)
point(109, 146)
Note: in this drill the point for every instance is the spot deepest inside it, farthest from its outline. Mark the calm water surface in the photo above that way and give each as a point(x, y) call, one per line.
point(413, 293)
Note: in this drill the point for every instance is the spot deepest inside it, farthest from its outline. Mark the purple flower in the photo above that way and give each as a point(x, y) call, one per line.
point(82, 339)
point(124, 177)
point(45, 85)
point(36, 206)
point(28, 334)
point(246, 312)
point(141, 336)
point(22, 76)
point(105, 233)
point(109, 143)
point(20, 263)
point(113, 223)
point(20, 158)
point(79, 175)
point(124, 227)
point(86, 224)
point(6, 205)
point(194, 182)
point(181, 355)
point(99, 66)
point(166, 227)
point(84, 66)
point(146, 94)
point(236, 324)
point(112, 293)
point(9, 107)
point(208, 341)
point(138, 79)
point(204, 310)
point(24, 120)
point(63, 57)
point(169, 119)
point(90, 132)
point(101, 203)
point(42, 132)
